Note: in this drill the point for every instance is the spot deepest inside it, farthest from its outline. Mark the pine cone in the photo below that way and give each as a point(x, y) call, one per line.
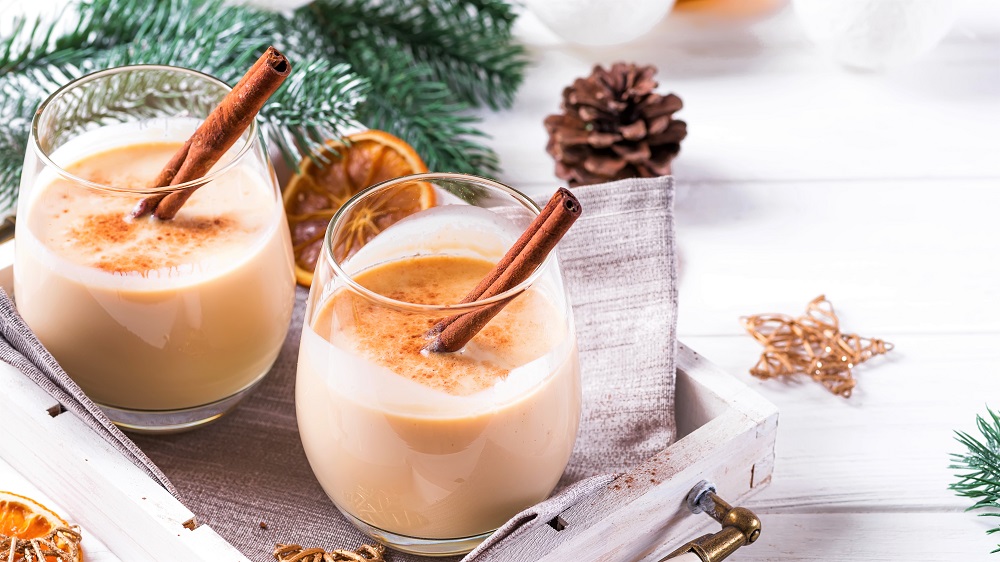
point(613, 126)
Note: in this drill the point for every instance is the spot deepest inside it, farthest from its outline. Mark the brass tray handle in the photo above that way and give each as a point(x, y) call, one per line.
point(740, 527)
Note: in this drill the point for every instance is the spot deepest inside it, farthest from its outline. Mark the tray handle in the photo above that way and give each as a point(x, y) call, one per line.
point(740, 527)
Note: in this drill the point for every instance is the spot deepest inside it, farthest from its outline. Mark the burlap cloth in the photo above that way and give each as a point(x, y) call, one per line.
point(249, 468)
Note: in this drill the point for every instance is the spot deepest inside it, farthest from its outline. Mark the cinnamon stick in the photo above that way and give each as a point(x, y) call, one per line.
point(524, 257)
point(480, 290)
point(217, 134)
point(148, 204)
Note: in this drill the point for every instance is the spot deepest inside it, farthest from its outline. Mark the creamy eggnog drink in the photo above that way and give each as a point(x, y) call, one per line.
point(164, 323)
point(429, 452)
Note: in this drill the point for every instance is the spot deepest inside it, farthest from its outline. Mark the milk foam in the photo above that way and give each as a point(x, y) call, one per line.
point(82, 231)
point(143, 323)
point(452, 230)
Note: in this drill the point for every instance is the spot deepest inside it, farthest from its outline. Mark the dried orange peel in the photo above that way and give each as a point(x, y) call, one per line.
point(31, 531)
point(315, 194)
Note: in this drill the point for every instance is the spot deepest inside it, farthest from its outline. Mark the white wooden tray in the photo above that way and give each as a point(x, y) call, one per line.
point(56, 459)
point(726, 435)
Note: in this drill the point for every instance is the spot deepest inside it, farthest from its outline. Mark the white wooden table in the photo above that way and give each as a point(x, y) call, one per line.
point(884, 190)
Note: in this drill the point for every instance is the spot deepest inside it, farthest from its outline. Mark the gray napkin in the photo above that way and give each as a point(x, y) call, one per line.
point(247, 476)
point(21, 349)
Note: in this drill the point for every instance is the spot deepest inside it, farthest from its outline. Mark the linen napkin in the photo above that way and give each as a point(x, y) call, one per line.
point(247, 476)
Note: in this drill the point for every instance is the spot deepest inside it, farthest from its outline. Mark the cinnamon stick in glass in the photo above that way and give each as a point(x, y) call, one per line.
point(524, 257)
point(217, 134)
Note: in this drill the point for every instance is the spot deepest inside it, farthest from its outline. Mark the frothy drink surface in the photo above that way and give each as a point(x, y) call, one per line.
point(147, 314)
point(394, 339)
point(93, 230)
point(436, 445)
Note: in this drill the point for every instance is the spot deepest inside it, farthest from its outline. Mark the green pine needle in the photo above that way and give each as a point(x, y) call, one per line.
point(979, 478)
point(464, 44)
point(13, 140)
point(422, 111)
point(410, 67)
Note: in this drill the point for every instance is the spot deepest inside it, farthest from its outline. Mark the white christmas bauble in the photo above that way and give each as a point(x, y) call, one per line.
point(600, 22)
point(877, 34)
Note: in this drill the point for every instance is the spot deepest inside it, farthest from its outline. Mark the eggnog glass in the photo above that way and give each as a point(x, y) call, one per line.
point(429, 452)
point(165, 324)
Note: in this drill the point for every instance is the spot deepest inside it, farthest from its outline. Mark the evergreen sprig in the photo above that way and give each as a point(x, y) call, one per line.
point(411, 67)
point(979, 478)
point(480, 64)
point(13, 140)
point(424, 112)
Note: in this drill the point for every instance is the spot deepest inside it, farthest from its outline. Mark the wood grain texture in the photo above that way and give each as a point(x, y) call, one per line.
point(13, 481)
point(902, 168)
point(871, 537)
point(897, 174)
point(762, 104)
point(886, 448)
point(642, 515)
point(97, 487)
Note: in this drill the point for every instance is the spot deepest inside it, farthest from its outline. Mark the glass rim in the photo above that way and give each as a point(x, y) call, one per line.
point(34, 144)
point(339, 272)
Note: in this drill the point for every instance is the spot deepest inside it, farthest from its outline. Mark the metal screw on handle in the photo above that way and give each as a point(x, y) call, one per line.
point(739, 527)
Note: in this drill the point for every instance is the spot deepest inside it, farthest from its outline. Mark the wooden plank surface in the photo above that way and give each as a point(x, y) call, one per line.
point(883, 190)
point(12, 481)
point(97, 487)
point(884, 449)
point(643, 515)
point(762, 104)
point(901, 172)
point(871, 537)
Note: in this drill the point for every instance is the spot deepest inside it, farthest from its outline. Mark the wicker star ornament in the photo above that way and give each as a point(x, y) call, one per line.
point(614, 126)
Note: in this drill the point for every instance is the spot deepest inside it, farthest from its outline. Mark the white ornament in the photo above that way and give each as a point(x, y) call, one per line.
point(600, 22)
point(877, 34)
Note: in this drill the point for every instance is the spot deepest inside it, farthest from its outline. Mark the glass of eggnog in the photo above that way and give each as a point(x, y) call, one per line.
point(431, 452)
point(166, 324)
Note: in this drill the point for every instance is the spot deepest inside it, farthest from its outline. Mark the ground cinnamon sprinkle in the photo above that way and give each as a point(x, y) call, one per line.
point(127, 264)
point(115, 239)
point(453, 374)
point(100, 230)
point(395, 339)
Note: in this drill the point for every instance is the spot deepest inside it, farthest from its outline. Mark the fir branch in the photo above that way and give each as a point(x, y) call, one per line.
point(202, 34)
point(98, 24)
point(15, 113)
point(29, 45)
point(464, 44)
point(979, 478)
point(413, 69)
point(313, 106)
point(404, 102)
point(207, 36)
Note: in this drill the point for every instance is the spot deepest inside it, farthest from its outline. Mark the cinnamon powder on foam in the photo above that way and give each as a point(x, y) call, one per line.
point(113, 237)
point(93, 229)
point(524, 331)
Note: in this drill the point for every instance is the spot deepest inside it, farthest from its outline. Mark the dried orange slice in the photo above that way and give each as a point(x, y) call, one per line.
point(316, 192)
point(23, 519)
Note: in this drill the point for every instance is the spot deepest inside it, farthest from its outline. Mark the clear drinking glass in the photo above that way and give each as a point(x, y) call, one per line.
point(165, 324)
point(426, 452)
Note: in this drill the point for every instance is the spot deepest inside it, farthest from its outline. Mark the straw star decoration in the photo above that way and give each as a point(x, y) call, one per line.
point(62, 544)
point(813, 345)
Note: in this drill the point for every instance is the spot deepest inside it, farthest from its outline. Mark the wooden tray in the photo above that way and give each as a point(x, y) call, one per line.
point(726, 436)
